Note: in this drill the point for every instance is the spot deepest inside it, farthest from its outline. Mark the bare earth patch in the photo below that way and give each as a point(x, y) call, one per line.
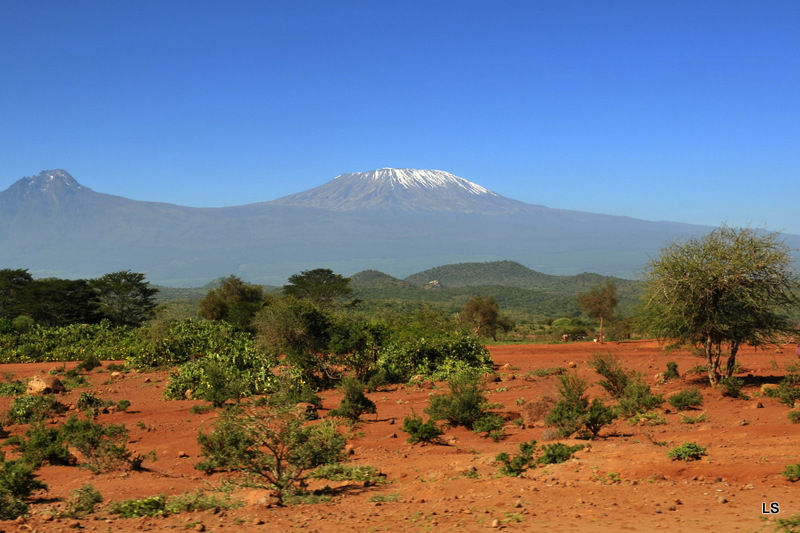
point(622, 481)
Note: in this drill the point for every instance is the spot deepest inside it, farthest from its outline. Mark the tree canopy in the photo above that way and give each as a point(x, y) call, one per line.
point(234, 301)
point(321, 286)
point(483, 314)
point(727, 288)
point(599, 303)
point(125, 297)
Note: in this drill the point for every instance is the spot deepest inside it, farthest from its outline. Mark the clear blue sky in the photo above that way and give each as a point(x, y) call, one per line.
point(663, 110)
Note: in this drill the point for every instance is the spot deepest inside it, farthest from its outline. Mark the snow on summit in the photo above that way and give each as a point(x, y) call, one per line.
point(428, 179)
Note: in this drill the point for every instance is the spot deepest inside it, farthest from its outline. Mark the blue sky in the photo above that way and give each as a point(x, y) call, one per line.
point(661, 110)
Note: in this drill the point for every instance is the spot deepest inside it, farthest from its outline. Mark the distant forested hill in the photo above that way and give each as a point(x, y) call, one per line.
point(516, 288)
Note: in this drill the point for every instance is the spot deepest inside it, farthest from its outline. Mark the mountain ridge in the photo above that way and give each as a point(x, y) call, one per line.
point(57, 227)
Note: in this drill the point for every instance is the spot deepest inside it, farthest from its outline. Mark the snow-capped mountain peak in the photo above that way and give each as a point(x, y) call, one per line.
point(426, 179)
point(404, 189)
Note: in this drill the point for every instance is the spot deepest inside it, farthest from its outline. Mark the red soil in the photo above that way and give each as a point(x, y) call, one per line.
point(622, 481)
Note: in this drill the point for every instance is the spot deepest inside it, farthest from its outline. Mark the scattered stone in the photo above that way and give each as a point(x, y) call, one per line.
point(391, 436)
point(534, 412)
point(306, 411)
point(116, 375)
point(722, 499)
point(45, 385)
point(183, 454)
point(491, 378)
point(495, 523)
point(758, 405)
point(572, 364)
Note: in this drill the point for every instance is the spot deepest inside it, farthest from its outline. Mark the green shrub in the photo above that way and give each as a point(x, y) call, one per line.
point(17, 483)
point(793, 416)
point(82, 502)
point(28, 409)
point(650, 418)
point(788, 390)
point(103, 447)
point(11, 387)
point(355, 402)
point(686, 419)
point(516, 465)
point(439, 356)
point(89, 402)
point(557, 453)
point(688, 451)
point(637, 398)
point(227, 447)
point(344, 472)
point(672, 371)
point(616, 379)
point(574, 414)
point(41, 444)
point(491, 424)
point(732, 387)
point(135, 508)
point(277, 448)
point(791, 472)
point(686, 399)
point(463, 405)
point(419, 431)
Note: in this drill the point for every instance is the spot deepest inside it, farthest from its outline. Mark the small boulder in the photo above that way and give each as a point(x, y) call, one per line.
point(534, 412)
point(45, 385)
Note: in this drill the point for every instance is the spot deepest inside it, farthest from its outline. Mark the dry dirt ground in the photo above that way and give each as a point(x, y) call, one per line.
point(622, 481)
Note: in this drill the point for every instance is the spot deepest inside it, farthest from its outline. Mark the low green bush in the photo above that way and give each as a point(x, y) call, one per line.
point(791, 472)
point(82, 502)
point(29, 409)
point(688, 451)
point(355, 402)
point(672, 371)
point(17, 483)
point(557, 452)
point(41, 444)
point(686, 399)
point(732, 387)
point(516, 465)
point(573, 413)
point(419, 431)
point(637, 398)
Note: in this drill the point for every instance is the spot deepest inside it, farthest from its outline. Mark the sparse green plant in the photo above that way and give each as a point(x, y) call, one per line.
point(688, 419)
point(12, 387)
point(686, 399)
point(17, 483)
point(688, 451)
point(492, 425)
point(516, 465)
point(392, 497)
point(732, 387)
point(275, 447)
point(791, 472)
point(419, 431)
point(346, 472)
point(355, 402)
point(672, 371)
point(89, 363)
point(82, 502)
point(138, 507)
point(463, 405)
point(544, 372)
point(123, 405)
point(573, 413)
point(103, 447)
point(616, 378)
point(557, 452)
point(637, 397)
point(793, 416)
point(201, 409)
point(28, 409)
point(649, 418)
point(41, 444)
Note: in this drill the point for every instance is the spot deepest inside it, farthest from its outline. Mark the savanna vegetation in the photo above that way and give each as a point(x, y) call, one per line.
point(256, 353)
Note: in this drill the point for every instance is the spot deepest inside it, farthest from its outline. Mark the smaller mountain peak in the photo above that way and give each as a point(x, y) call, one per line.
point(47, 179)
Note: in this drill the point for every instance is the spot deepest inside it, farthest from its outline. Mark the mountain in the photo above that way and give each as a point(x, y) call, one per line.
point(405, 189)
point(390, 220)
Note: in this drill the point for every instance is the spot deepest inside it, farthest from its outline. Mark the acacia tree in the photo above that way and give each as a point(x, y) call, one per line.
point(125, 298)
point(483, 314)
point(725, 289)
point(321, 286)
point(599, 303)
point(234, 301)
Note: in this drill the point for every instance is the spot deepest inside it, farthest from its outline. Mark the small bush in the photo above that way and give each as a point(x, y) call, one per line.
point(419, 431)
point(463, 405)
point(89, 402)
point(616, 379)
point(686, 419)
point(788, 390)
point(104, 448)
point(343, 472)
point(135, 508)
point(355, 402)
point(791, 472)
point(41, 444)
point(17, 483)
point(491, 424)
point(732, 387)
point(225, 448)
point(12, 388)
point(574, 414)
point(793, 416)
point(82, 502)
point(516, 465)
point(688, 451)
point(557, 453)
point(686, 399)
point(637, 398)
point(89, 363)
point(28, 409)
point(672, 371)
point(649, 418)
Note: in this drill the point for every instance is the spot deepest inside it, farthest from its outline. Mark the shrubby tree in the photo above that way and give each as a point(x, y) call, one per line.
point(234, 301)
point(321, 286)
point(599, 303)
point(725, 289)
point(483, 315)
point(125, 298)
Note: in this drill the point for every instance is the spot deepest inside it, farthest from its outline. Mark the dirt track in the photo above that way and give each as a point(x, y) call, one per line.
point(622, 481)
